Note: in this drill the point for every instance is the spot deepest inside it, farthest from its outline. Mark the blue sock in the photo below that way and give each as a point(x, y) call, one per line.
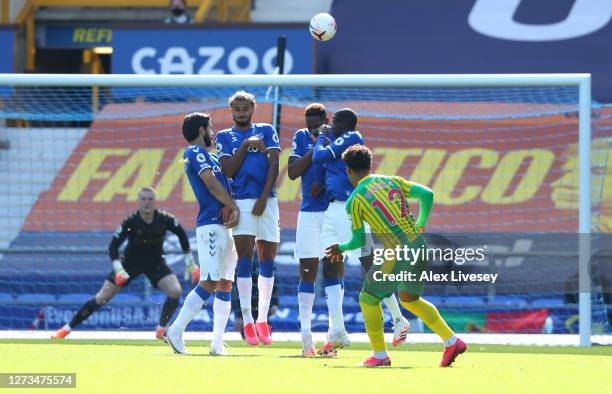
point(306, 287)
point(202, 292)
point(266, 268)
point(332, 282)
point(244, 268)
point(223, 295)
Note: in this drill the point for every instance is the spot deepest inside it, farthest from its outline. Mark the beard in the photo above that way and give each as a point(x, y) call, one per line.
point(242, 123)
point(207, 141)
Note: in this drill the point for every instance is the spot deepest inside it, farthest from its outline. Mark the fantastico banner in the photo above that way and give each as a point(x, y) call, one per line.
point(493, 175)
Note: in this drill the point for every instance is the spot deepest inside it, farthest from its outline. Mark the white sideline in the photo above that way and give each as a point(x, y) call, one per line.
point(483, 339)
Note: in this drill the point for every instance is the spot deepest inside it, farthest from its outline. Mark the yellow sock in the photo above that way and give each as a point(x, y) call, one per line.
point(427, 312)
point(373, 318)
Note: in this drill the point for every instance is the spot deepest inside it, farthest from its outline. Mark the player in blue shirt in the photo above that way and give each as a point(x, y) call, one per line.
point(330, 145)
point(310, 216)
point(249, 154)
point(216, 251)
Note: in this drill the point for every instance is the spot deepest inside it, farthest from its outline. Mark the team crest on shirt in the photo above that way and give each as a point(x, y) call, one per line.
point(339, 141)
point(219, 147)
point(200, 157)
point(294, 146)
point(275, 137)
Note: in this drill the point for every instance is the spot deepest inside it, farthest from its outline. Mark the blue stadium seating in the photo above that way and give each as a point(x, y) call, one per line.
point(36, 298)
point(508, 301)
point(465, 300)
point(74, 298)
point(126, 298)
point(547, 303)
point(6, 297)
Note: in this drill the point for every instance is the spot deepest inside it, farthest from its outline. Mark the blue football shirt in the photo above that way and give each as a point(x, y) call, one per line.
point(337, 183)
point(315, 173)
point(197, 159)
point(249, 179)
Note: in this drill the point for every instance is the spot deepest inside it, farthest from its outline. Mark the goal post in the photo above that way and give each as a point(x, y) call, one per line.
point(425, 84)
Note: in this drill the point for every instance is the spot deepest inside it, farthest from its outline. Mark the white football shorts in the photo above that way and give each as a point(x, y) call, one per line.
point(265, 227)
point(216, 252)
point(308, 235)
point(337, 229)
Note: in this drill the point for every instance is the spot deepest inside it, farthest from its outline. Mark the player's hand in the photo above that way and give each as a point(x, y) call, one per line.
point(334, 254)
point(191, 269)
point(256, 143)
point(121, 277)
point(323, 129)
point(225, 214)
point(233, 218)
point(259, 207)
point(315, 190)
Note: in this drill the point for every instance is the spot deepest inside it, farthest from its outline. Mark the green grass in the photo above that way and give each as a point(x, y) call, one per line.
point(150, 367)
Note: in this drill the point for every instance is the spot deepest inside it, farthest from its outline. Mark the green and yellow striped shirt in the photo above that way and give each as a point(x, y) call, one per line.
point(381, 201)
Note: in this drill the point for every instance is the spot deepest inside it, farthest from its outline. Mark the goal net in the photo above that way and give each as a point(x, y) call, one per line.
point(501, 153)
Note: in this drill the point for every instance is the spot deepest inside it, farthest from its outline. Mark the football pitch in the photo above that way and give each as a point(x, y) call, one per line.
point(122, 366)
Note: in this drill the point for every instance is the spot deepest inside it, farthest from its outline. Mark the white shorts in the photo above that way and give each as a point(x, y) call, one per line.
point(216, 252)
point(308, 234)
point(337, 229)
point(265, 227)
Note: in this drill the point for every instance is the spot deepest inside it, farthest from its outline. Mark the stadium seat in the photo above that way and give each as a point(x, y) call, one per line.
point(288, 301)
point(5, 298)
point(547, 302)
point(126, 298)
point(74, 298)
point(156, 298)
point(508, 301)
point(35, 298)
point(465, 300)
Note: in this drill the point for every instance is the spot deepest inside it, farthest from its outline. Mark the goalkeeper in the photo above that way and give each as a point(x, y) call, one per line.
point(145, 230)
point(381, 202)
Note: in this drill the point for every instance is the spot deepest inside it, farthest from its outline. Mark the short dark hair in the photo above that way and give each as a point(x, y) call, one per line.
point(347, 117)
point(192, 124)
point(357, 157)
point(315, 109)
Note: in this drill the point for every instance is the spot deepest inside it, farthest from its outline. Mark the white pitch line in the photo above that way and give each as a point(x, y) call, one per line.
point(421, 338)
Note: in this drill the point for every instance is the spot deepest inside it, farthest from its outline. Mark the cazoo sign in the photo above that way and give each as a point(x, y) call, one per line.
point(209, 51)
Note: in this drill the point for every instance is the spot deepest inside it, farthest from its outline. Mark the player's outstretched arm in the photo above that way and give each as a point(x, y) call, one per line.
point(118, 237)
point(425, 196)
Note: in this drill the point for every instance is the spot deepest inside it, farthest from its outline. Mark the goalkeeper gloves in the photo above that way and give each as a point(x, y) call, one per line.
point(121, 275)
point(191, 269)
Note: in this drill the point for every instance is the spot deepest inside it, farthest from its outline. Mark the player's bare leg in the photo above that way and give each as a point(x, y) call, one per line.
point(306, 296)
point(429, 314)
point(401, 326)
point(170, 285)
point(266, 251)
point(245, 245)
point(104, 295)
point(333, 272)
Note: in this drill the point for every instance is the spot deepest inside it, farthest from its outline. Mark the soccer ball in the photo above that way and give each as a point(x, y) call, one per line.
point(322, 27)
